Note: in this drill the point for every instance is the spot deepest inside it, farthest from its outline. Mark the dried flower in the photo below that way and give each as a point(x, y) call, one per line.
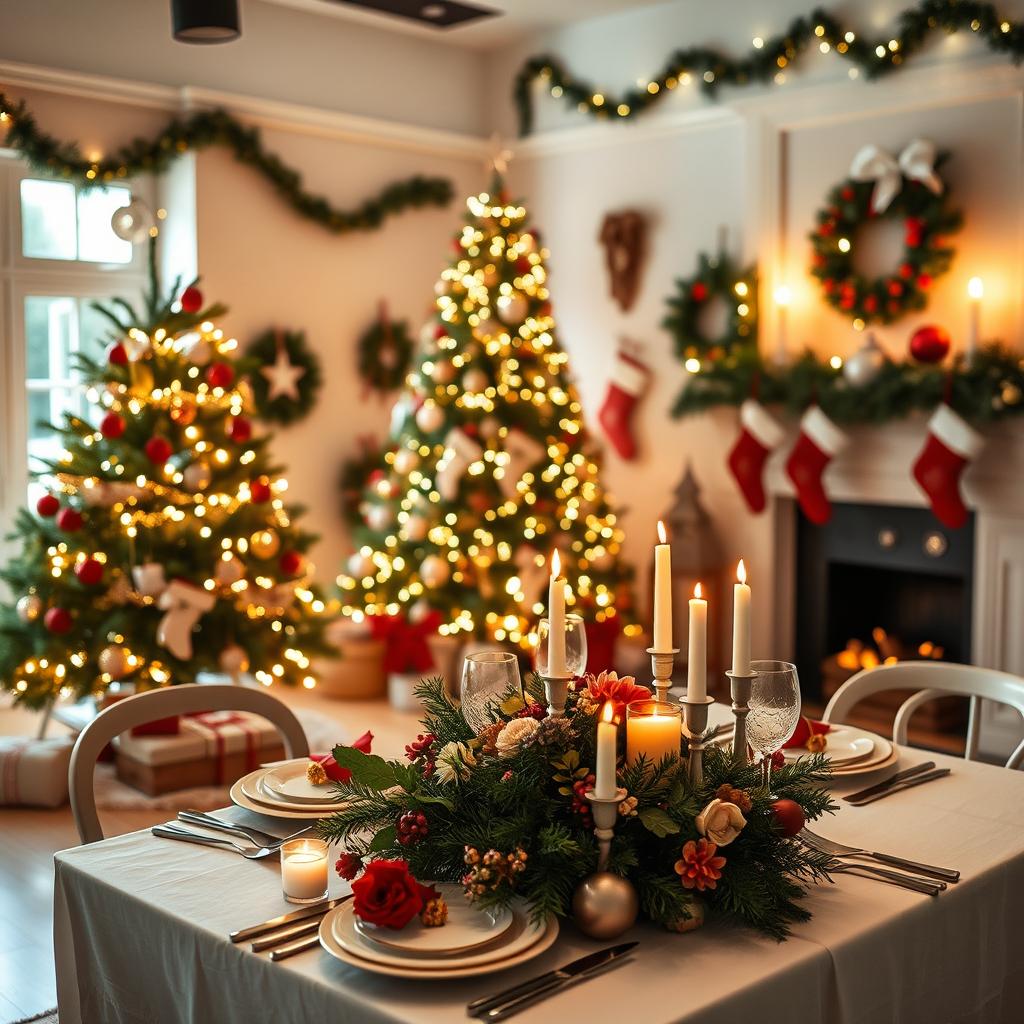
point(534, 710)
point(720, 821)
point(597, 690)
point(454, 761)
point(627, 809)
point(434, 913)
point(315, 774)
point(553, 732)
point(419, 746)
point(698, 867)
point(488, 735)
point(513, 734)
point(507, 776)
point(739, 797)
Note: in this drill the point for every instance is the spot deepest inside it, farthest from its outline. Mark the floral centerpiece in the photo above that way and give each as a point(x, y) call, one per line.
point(504, 812)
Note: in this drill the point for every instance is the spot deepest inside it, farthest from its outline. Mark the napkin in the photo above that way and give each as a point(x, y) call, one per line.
point(805, 729)
point(333, 770)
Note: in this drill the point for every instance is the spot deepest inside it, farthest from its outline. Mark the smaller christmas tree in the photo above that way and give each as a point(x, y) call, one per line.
point(163, 547)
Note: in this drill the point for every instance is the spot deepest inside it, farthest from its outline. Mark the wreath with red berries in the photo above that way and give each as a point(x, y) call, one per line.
point(927, 220)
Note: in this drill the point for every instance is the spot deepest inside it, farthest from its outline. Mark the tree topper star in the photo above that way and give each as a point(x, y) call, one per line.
point(283, 377)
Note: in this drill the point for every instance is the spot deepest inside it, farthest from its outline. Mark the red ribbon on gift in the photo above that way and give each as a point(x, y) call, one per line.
point(405, 642)
point(331, 767)
point(214, 722)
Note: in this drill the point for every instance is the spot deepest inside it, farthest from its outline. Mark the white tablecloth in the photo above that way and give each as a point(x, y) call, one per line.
point(140, 928)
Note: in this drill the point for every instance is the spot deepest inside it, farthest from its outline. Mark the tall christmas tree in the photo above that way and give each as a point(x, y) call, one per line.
point(163, 546)
point(489, 468)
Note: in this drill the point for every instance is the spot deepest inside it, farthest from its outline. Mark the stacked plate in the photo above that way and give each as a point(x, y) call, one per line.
point(472, 942)
point(283, 791)
point(853, 751)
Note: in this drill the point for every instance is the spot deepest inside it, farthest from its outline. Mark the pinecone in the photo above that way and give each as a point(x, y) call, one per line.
point(488, 737)
point(735, 796)
point(315, 773)
point(435, 913)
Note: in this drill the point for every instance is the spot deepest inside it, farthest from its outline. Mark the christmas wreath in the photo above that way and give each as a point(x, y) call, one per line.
point(716, 277)
point(504, 812)
point(880, 185)
point(355, 477)
point(285, 375)
point(384, 353)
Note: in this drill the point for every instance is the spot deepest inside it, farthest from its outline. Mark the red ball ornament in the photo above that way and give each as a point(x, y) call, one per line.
point(924, 281)
point(290, 563)
point(523, 265)
point(117, 354)
point(847, 193)
point(158, 450)
point(788, 815)
point(58, 620)
point(239, 429)
point(112, 426)
point(191, 300)
point(47, 506)
point(260, 491)
point(871, 303)
point(89, 571)
point(220, 375)
point(440, 332)
point(906, 271)
point(69, 520)
point(699, 292)
point(929, 344)
point(895, 288)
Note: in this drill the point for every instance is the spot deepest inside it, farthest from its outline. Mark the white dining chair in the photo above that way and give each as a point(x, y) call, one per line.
point(932, 679)
point(151, 706)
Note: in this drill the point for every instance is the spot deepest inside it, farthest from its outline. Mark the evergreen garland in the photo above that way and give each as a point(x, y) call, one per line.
point(49, 155)
point(773, 58)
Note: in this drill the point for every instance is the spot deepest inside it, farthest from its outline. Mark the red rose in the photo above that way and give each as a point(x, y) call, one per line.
point(331, 767)
point(348, 866)
point(387, 895)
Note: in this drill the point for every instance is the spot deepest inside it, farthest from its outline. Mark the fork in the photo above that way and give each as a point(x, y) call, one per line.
point(185, 836)
point(830, 846)
point(254, 835)
point(922, 885)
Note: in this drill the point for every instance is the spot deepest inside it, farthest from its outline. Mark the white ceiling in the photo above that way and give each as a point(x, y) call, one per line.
point(519, 18)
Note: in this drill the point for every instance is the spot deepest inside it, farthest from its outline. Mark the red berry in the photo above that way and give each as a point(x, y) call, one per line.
point(788, 815)
point(699, 292)
point(47, 506)
point(89, 571)
point(220, 375)
point(58, 620)
point(871, 303)
point(158, 450)
point(924, 280)
point(260, 490)
point(906, 270)
point(112, 426)
point(895, 289)
point(69, 520)
point(117, 355)
point(191, 300)
point(239, 429)
point(290, 563)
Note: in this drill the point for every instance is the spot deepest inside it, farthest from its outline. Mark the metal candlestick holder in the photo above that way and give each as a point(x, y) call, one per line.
point(740, 685)
point(695, 723)
point(662, 664)
point(556, 689)
point(606, 812)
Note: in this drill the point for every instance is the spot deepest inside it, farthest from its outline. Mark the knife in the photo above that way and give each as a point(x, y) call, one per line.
point(880, 787)
point(917, 780)
point(299, 946)
point(314, 910)
point(296, 931)
point(490, 1007)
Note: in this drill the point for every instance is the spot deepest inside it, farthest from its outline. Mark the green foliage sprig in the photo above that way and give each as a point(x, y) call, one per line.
point(200, 130)
point(712, 68)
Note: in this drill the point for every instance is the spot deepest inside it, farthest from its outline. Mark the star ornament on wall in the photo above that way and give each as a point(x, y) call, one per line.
point(283, 377)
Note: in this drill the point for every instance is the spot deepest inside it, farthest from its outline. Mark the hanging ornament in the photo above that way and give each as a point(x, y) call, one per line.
point(474, 380)
point(69, 520)
point(239, 429)
point(149, 579)
point(489, 328)
point(158, 450)
point(117, 355)
point(89, 571)
point(461, 451)
point(113, 661)
point(406, 460)
point(112, 426)
point(191, 300)
point(533, 572)
point(195, 348)
point(220, 375)
point(183, 412)
point(230, 569)
point(137, 345)
point(47, 506)
point(290, 563)
point(265, 543)
point(434, 571)
point(416, 528)
point(513, 308)
point(360, 565)
point(444, 371)
point(441, 287)
point(866, 363)
point(379, 516)
point(197, 476)
point(788, 815)
point(522, 452)
point(234, 660)
point(183, 604)
point(29, 607)
point(259, 490)
point(429, 417)
point(930, 344)
point(58, 621)
point(133, 223)
point(282, 376)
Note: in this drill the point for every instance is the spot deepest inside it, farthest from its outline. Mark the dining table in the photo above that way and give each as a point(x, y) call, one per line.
point(141, 935)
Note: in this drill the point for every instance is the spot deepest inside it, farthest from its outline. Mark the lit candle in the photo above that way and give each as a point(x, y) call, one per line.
point(697, 653)
point(556, 619)
point(652, 730)
point(304, 870)
point(741, 623)
point(783, 297)
point(975, 292)
point(604, 783)
point(662, 593)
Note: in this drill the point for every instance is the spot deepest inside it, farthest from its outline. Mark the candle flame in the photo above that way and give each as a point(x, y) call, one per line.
point(976, 288)
point(556, 564)
point(783, 295)
point(741, 572)
point(662, 536)
point(697, 591)
point(608, 714)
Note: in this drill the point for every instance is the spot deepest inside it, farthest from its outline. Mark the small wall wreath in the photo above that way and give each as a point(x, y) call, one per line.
point(880, 185)
point(384, 352)
point(285, 375)
point(717, 276)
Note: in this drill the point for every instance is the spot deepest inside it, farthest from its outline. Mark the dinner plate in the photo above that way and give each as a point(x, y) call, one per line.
point(882, 752)
point(289, 782)
point(467, 929)
point(866, 767)
point(844, 745)
point(275, 810)
point(252, 787)
point(457, 967)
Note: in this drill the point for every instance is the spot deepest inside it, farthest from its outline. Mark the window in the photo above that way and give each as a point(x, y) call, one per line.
point(60, 222)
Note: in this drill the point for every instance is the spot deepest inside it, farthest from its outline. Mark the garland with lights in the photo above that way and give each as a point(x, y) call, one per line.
point(771, 58)
point(49, 155)
point(288, 398)
point(384, 352)
point(927, 219)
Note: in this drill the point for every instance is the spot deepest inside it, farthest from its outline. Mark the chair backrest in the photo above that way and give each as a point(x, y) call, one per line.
point(932, 679)
point(151, 706)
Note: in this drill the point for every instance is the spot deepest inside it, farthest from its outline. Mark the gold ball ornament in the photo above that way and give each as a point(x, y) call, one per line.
point(416, 528)
point(489, 328)
point(604, 905)
point(695, 907)
point(230, 569)
point(265, 543)
point(490, 275)
point(183, 412)
point(444, 372)
point(360, 565)
point(429, 417)
point(474, 379)
point(406, 460)
point(113, 661)
point(512, 309)
point(434, 571)
point(29, 607)
point(197, 476)
point(234, 660)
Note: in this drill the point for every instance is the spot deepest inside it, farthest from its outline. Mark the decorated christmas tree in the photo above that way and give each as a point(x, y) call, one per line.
point(163, 546)
point(489, 469)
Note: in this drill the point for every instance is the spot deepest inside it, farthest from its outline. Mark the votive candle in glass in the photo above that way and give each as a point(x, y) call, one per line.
point(653, 729)
point(304, 870)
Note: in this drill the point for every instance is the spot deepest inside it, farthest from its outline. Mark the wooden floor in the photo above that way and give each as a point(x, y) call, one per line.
point(29, 839)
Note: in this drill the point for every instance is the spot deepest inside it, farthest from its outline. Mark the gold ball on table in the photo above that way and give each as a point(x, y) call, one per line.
point(604, 905)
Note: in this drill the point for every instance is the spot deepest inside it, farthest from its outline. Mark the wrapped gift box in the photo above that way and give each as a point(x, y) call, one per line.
point(34, 773)
point(215, 748)
point(358, 672)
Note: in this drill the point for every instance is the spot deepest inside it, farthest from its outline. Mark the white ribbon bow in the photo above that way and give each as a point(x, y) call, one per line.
point(917, 162)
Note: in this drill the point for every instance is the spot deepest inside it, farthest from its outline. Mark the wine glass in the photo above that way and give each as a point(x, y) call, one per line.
point(774, 710)
point(487, 678)
point(575, 646)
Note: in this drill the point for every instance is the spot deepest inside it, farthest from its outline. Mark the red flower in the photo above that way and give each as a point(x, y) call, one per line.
point(336, 773)
point(348, 866)
point(388, 896)
point(699, 868)
point(608, 686)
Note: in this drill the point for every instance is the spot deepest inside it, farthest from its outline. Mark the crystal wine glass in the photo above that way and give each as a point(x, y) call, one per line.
point(774, 710)
point(487, 678)
point(575, 646)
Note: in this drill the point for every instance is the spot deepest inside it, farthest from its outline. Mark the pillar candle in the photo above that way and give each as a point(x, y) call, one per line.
point(697, 654)
point(975, 292)
point(652, 735)
point(304, 870)
point(783, 297)
point(556, 620)
point(604, 782)
point(662, 592)
point(741, 623)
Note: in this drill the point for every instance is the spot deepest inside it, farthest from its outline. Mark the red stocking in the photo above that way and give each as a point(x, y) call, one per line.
point(951, 445)
point(820, 439)
point(628, 383)
point(759, 437)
